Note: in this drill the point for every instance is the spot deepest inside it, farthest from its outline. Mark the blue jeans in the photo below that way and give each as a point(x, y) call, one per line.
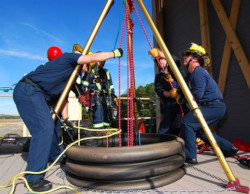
point(100, 113)
point(212, 113)
point(32, 106)
point(169, 111)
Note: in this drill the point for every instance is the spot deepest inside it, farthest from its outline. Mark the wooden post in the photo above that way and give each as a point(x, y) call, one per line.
point(227, 48)
point(233, 40)
point(205, 37)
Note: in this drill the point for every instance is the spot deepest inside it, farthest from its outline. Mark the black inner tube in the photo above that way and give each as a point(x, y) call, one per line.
point(162, 146)
point(158, 161)
point(125, 171)
point(139, 184)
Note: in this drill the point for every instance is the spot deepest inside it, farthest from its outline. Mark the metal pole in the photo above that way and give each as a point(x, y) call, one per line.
point(197, 112)
point(77, 69)
point(6, 95)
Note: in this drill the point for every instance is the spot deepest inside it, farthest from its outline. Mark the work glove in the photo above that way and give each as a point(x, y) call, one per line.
point(118, 52)
point(67, 123)
point(173, 93)
point(115, 101)
point(82, 100)
point(168, 77)
point(154, 52)
point(180, 99)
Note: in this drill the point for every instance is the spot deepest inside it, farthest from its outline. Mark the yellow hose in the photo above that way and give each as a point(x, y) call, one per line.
point(112, 131)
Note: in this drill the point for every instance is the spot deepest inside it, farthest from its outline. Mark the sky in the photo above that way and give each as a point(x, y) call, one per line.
point(29, 27)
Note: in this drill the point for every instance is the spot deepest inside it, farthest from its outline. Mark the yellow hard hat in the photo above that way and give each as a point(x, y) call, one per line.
point(198, 51)
point(89, 53)
point(77, 48)
point(90, 64)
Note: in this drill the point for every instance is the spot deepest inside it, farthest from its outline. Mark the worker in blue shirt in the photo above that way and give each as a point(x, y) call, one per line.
point(33, 94)
point(98, 83)
point(209, 98)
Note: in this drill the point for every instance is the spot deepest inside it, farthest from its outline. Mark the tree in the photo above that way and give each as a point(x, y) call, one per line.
point(145, 108)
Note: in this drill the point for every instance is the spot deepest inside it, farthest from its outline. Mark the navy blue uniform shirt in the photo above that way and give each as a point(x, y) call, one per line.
point(203, 86)
point(53, 76)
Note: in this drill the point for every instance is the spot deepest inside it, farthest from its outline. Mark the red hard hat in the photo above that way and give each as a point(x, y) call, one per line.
point(54, 52)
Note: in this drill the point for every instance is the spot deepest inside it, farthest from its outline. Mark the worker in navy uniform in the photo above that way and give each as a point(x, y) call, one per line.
point(103, 104)
point(32, 95)
point(170, 109)
point(209, 98)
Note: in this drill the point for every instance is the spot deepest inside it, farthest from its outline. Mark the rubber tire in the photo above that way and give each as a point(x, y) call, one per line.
point(125, 171)
point(125, 168)
point(139, 184)
point(129, 154)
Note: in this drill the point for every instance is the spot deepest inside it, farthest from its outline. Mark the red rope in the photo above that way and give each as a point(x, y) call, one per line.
point(130, 76)
point(241, 157)
point(128, 101)
point(139, 18)
point(181, 109)
point(128, 82)
point(130, 32)
point(119, 108)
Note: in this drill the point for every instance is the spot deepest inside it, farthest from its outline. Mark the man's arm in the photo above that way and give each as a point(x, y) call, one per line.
point(100, 56)
point(64, 111)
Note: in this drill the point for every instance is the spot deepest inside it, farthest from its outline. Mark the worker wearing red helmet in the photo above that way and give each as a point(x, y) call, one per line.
point(54, 52)
point(33, 95)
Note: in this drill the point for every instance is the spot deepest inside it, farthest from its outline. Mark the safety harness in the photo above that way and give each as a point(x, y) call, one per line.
point(103, 89)
point(96, 79)
point(190, 60)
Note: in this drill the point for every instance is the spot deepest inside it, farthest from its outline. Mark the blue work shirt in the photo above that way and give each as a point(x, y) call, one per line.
point(203, 86)
point(53, 76)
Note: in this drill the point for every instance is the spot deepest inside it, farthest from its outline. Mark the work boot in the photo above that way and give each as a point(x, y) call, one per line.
point(60, 162)
point(191, 161)
point(40, 185)
point(233, 151)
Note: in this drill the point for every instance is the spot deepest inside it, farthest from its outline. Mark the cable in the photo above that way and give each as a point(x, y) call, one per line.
point(110, 132)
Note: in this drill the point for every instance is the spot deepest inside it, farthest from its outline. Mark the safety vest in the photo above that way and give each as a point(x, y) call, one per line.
point(93, 78)
point(100, 125)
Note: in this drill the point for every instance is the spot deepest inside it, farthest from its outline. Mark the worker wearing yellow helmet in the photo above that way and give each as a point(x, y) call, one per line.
point(77, 48)
point(98, 82)
point(207, 94)
point(199, 52)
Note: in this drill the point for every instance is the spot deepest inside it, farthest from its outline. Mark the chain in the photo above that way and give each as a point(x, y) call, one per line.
point(204, 172)
point(155, 191)
point(82, 189)
point(61, 174)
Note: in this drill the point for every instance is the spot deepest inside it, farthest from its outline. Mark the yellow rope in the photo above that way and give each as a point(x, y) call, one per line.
point(112, 131)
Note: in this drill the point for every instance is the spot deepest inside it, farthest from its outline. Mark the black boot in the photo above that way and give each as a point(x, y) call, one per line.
point(191, 161)
point(232, 152)
point(40, 185)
